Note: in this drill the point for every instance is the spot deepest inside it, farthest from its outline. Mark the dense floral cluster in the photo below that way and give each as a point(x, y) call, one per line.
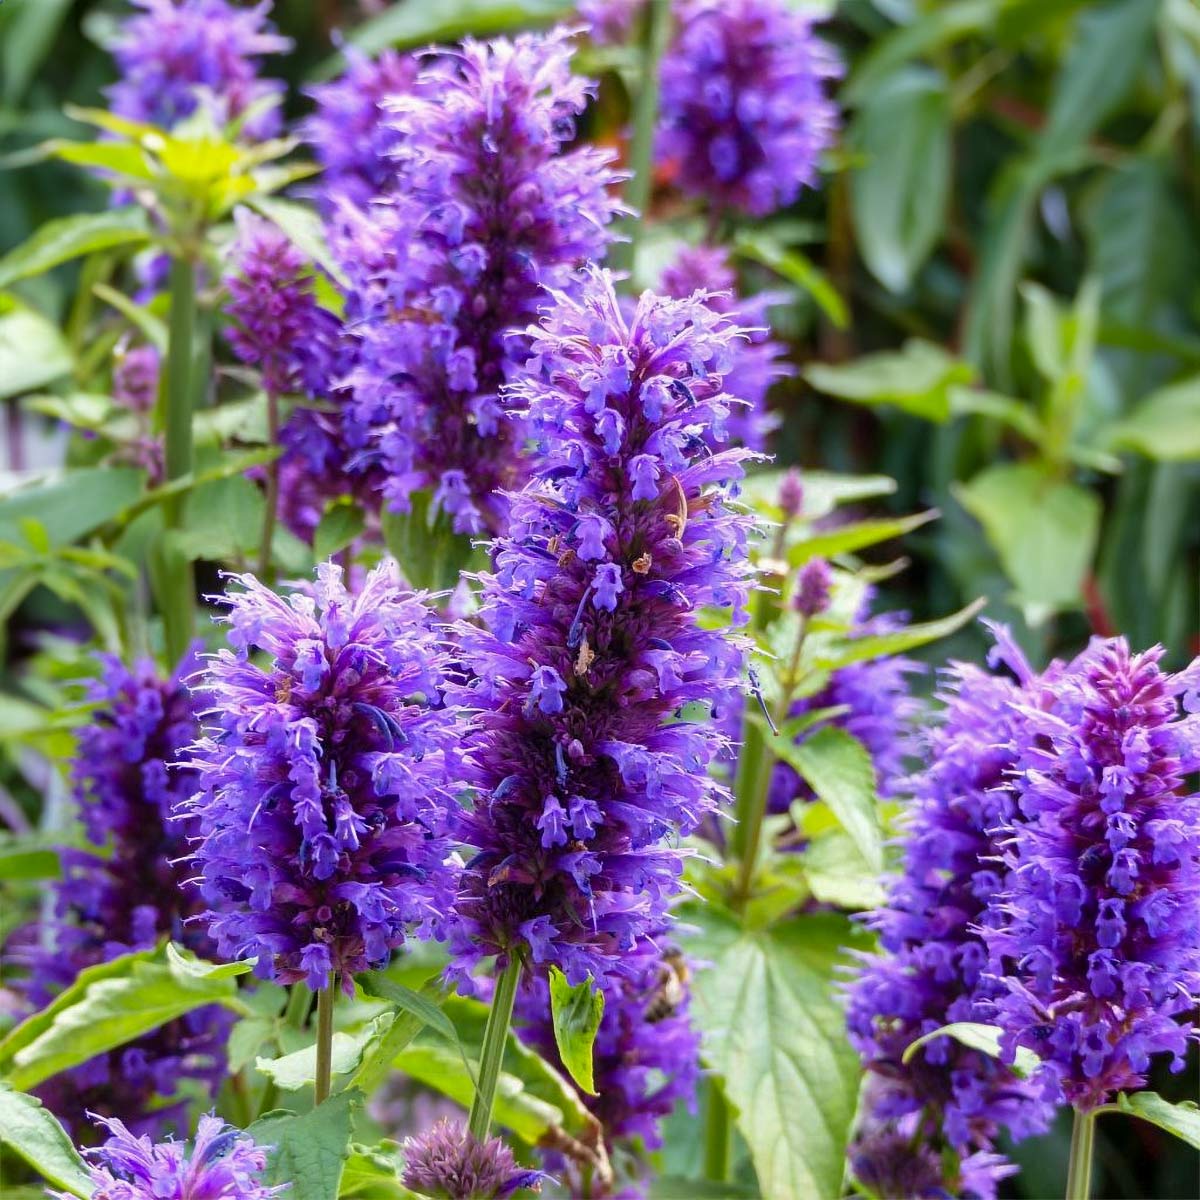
point(488, 207)
point(178, 54)
point(351, 131)
point(592, 644)
point(645, 1058)
point(223, 1164)
point(1097, 932)
point(447, 1163)
point(758, 361)
point(129, 893)
point(932, 967)
point(325, 781)
point(744, 114)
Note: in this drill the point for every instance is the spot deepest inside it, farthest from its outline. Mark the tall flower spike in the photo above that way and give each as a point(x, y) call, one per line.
point(646, 1057)
point(350, 130)
point(489, 207)
point(448, 1163)
point(325, 779)
point(223, 1164)
point(931, 970)
point(744, 113)
point(1098, 929)
point(594, 642)
point(758, 361)
point(177, 54)
point(126, 787)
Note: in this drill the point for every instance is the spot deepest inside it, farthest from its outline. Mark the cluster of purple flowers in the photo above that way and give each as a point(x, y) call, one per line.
point(127, 786)
point(758, 362)
point(592, 644)
point(447, 1163)
point(744, 113)
point(1098, 926)
point(488, 207)
point(178, 54)
point(932, 967)
point(326, 780)
point(610, 21)
point(223, 1164)
point(646, 1057)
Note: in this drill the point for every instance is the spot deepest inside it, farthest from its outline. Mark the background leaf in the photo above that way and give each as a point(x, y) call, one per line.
point(32, 1133)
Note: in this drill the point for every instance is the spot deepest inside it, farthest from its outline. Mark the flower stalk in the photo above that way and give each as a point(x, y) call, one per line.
point(1079, 1170)
point(495, 1039)
point(325, 999)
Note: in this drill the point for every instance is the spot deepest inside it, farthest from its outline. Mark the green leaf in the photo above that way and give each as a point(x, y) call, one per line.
point(373, 1173)
point(70, 504)
point(417, 24)
point(1165, 425)
point(916, 379)
point(59, 241)
point(309, 1151)
point(823, 491)
point(33, 351)
point(839, 770)
point(153, 328)
point(32, 1133)
point(910, 637)
point(774, 1029)
point(416, 1004)
point(304, 228)
point(111, 1004)
point(1183, 1119)
point(576, 1012)
point(985, 1038)
point(1044, 530)
point(1016, 414)
point(899, 196)
point(837, 873)
point(27, 32)
point(297, 1070)
point(797, 268)
point(21, 861)
point(431, 555)
point(342, 522)
point(844, 539)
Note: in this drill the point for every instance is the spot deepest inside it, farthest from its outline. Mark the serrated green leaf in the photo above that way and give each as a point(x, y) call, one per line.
point(33, 1134)
point(985, 1038)
point(309, 1151)
point(576, 1013)
point(61, 240)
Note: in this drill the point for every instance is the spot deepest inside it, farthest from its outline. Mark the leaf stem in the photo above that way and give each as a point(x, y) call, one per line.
point(325, 999)
point(1079, 1172)
point(645, 120)
point(718, 1134)
point(179, 591)
point(495, 1039)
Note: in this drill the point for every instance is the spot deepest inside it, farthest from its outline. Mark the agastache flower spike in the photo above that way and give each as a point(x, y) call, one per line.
point(488, 207)
point(177, 54)
point(744, 113)
point(126, 787)
point(223, 1164)
point(447, 1163)
point(325, 779)
point(594, 644)
point(1097, 932)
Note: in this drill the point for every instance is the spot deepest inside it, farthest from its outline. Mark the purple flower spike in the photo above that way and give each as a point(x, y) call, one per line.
point(814, 584)
point(931, 970)
point(583, 770)
point(448, 1163)
point(758, 360)
point(223, 1164)
point(177, 54)
point(325, 779)
point(489, 206)
point(126, 787)
point(745, 115)
point(135, 378)
point(1097, 932)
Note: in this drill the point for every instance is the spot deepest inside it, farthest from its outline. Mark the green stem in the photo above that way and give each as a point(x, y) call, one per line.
point(718, 1134)
point(325, 999)
point(645, 121)
point(495, 1039)
point(179, 591)
point(1083, 1140)
point(271, 499)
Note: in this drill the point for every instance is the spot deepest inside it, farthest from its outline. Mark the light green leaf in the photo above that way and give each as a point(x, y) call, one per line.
point(419, 24)
point(59, 241)
point(823, 490)
point(309, 1152)
point(797, 268)
point(342, 522)
point(292, 1072)
point(303, 227)
point(839, 770)
point(774, 1029)
point(917, 379)
point(1183, 1119)
point(1044, 530)
point(845, 539)
point(985, 1038)
point(899, 195)
point(1165, 425)
point(373, 1173)
point(19, 860)
point(33, 1134)
point(418, 1004)
point(33, 351)
point(1016, 414)
point(71, 503)
point(577, 1013)
point(837, 873)
point(153, 328)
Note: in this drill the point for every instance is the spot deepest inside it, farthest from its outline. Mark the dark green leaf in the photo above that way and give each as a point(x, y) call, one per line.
point(22, 861)
point(27, 32)
point(342, 523)
point(424, 543)
point(33, 1134)
point(419, 24)
point(72, 237)
point(576, 1012)
point(309, 1152)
